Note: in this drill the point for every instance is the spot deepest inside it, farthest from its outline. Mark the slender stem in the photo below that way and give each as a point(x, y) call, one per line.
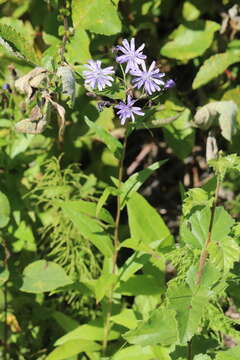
point(116, 245)
point(204, 253)
point(7, 255)
point(189, 350)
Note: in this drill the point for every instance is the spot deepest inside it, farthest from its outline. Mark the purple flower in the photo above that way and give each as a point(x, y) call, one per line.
point(128, 110)
point(96, 76)
point(149, 79)
point(169, 84)
point(130, 56)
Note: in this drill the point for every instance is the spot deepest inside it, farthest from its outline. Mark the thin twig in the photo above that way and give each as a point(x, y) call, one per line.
point(116, 246)
point(204, 253)
point(65, 35)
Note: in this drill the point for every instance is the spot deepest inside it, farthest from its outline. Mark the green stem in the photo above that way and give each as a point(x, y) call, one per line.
point(204, 253)
point(116, 246)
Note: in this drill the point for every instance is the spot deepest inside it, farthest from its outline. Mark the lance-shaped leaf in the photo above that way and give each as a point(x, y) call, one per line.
point(71, 348)
point(110, 141)
point(152, 230)
point(134, 182)
point(213, 67)
point(161, 328)
point(43, 276)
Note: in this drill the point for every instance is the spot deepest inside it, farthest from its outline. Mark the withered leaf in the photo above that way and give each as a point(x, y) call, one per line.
point(33, 79)
point(28, 126)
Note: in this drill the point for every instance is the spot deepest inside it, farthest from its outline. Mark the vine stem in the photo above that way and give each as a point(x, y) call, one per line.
point(116, 245)
point(204, 253)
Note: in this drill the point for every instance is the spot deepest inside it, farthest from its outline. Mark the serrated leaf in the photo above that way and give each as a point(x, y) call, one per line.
point(88, 227)
point(161, 328)
point(180, 134)
point(4, 210)
point(194, 231)
point(111, 142)
point(17, 44)
point(224, 253)
point(97, 16)
point(43, 276)
point(190, 40)
point(135, 181)
point(213, 67)
point(195, 198)
point(72, 347)
point(189, 310)
point(152, 231)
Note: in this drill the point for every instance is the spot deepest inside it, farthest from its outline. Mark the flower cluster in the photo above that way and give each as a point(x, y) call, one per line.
point(149, 79)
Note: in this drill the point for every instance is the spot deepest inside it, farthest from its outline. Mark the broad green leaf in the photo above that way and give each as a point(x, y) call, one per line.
point(97, 16)
point(189, 310)
point(17, 44)
point(211, 275)
point(231, 354)
point(65, 321)
point(233, 95)
point(224, 253)
point(180, 134)
point(126, 318)
point(134, 352)
point(88, 227)
point(4, 274)
point(194, 231)
point(150, 231)
point(213, 67)
point(161, 328)
point(71, 348)
point(77, 49)
point(25, 238)
point(112, 143)
point(134, 182)
point(4, 210)
point(161, 352)
point(92, 331)
point(190, 11)
point(43, 276)
point(103, 285)
point(190, 40)
point(202, 357)
point(134, 286)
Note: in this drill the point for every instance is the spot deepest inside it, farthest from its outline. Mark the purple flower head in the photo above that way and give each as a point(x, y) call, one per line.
point(150, 79)
point(96, 76)
point(128, 110)
point(130, 56)
point(169, 84)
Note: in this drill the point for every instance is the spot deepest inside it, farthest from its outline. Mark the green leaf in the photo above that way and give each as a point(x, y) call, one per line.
point(65, 321)
point(134, 286)
point(43, 276)
point(213, 67)
point(77, 49)
point(224, 253)
point(17, 44)
point(88, 227)
point(233, 95)
point(150, 231)
point(134, 352)
point(189, 310)
point(194, 231)
point(112, 143)
point(190, 11)
point(134, 182)
point(72, 347)
point(180, 134)
point(202, 357)
point(231, 354)
point(25, 238)
point(103, 285)
point(195, 199)
point(126, 318)
point(4, 274)
point(92, 331)
point(4, 210)
point(97, 16)
point(190, 40)
point(209, 278)
point(161, 328)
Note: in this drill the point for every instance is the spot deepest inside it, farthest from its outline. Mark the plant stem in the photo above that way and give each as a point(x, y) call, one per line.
point(204, 253)
point(189, 350)
point(116, 245)
point(65, 35)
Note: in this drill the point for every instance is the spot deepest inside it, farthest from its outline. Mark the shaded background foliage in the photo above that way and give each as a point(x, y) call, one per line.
point(51, 185)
